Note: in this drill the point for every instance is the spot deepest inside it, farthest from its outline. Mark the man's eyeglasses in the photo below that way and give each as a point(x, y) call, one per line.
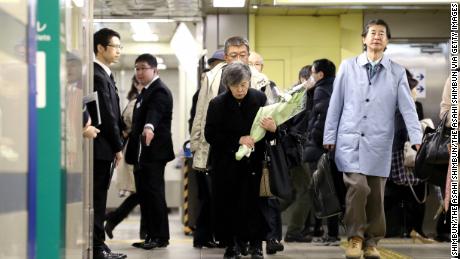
point(116, 46)
point(142, 69)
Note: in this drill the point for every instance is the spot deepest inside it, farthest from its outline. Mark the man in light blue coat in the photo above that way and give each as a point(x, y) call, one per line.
point(360, 127)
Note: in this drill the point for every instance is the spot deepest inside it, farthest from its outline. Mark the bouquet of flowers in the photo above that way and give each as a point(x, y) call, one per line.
point(291, 104)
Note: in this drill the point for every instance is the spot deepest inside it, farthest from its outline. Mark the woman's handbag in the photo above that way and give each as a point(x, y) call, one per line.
point(327, 188)
point(265, 182)
point(436, 144)
point(425, 170)
point(280, 181)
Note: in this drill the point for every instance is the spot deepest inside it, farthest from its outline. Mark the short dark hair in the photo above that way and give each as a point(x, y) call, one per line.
point(235, 41)
point(103, 37)
point(147, 58)
point(375, 22)
point(235, 73)
point(324, 65)
point(305, 72)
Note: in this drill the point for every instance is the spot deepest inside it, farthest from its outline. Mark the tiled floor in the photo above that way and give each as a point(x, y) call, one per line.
point(181, 246)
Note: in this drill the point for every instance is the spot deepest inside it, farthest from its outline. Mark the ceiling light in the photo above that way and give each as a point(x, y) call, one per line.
point(228, 3)
point(140, 27)
point(255, 6)
point(145, 37)
point(162, 67)
point(125, 20)
point(160, 60)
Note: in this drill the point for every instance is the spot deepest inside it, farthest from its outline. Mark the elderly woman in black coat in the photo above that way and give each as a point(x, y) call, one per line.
point(228, 124)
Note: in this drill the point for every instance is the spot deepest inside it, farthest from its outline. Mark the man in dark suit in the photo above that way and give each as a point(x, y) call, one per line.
point(150, 148)
point(108, 144)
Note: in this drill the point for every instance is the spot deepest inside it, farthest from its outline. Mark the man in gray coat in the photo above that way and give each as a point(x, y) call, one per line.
point(360, 127)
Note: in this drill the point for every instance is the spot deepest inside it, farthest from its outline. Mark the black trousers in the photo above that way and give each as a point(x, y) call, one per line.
point(402, 211)
point(333, 226)
point(128, 204)
point(150, 186)
point(270, 207)
point(101, 181)
point(204, 229)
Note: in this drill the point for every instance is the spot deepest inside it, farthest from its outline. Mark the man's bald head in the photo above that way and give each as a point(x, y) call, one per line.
point(256, 60)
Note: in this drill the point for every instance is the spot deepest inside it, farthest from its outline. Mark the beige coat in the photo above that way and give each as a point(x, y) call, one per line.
point(446, 102)
point(210, 83)
point(125, 176)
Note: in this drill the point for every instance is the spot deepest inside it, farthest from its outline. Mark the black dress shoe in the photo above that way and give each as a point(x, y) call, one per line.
point(256, 253)
point(140, 244)
point(273, 246)
point(156, 243)
point(208, 244)
point(243, 248)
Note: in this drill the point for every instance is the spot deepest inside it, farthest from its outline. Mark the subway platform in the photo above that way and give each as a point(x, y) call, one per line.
point(181, 246)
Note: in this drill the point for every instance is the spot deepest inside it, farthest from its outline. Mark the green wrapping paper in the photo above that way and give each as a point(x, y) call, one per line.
point(290, 105)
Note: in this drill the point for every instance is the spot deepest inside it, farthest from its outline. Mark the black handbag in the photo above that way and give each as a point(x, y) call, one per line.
point(292, 145)
point(311, 152)
point(280, 181)
point(433, 173)
point(327, 188)
point(436, 144)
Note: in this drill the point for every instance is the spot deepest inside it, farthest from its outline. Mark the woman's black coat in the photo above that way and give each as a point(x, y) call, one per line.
point(236, 182)
point(317, 118)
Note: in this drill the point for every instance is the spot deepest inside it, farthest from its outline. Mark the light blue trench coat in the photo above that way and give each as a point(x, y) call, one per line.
point(360, 119)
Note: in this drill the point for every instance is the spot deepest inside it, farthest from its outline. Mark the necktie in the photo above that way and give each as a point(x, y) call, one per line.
point(113, 82)
point(139, 96)
point(373, 70)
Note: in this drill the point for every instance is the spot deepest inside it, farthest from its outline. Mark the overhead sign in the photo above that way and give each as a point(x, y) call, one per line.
point(420, 75)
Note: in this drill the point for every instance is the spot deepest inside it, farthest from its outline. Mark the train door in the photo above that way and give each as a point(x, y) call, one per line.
point(76, 62)
point(17, 120)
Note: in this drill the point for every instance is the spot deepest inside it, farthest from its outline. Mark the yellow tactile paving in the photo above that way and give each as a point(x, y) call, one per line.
point(384, 252)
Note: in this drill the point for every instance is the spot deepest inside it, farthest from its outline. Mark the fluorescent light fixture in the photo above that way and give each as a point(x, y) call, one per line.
point(125, 20)
point(142, 31)
point(228, 3)
point(185, 47)
point(140, 27)
point(145, 37)
point(352, 2)
point(162, 67)
point(160, 60)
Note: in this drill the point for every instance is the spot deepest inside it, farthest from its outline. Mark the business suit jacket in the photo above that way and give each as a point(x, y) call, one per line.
point(154, 105)
point(109, 140)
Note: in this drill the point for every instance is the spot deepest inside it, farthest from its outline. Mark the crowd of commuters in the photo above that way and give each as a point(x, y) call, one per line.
point(366, 116)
